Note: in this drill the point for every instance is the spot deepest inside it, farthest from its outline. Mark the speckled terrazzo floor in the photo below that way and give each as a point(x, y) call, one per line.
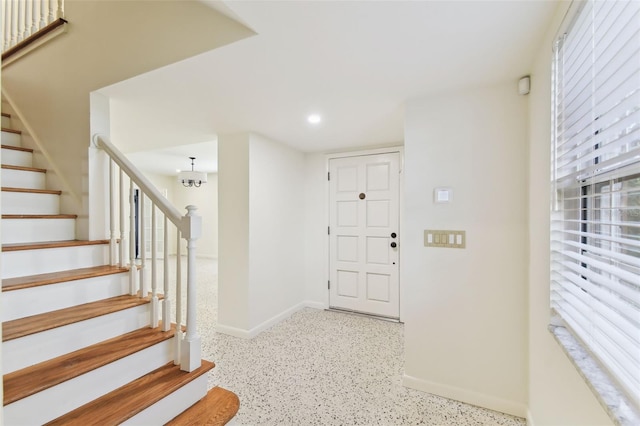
point(322, 368)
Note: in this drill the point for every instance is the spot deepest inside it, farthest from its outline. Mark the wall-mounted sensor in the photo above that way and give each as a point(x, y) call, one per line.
point(524, 85)
point(442, 195)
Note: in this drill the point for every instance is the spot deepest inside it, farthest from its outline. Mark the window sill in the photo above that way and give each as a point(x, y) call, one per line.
point(606, 391)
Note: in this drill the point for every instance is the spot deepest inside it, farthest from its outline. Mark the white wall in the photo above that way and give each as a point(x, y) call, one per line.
point(162, 182)
point(557, 394)
point(93, 224)
point(261, 199)
point(465, 310)
point(316, 222)
point(276, 236)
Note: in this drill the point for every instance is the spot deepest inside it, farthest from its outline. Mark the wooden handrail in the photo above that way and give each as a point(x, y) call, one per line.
point(142, 182)
point(33, 38)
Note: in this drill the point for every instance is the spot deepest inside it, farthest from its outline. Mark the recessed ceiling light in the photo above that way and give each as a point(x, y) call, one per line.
point(314, 119)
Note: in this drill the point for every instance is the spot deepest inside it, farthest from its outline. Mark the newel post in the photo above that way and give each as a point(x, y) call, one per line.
point(191, 346)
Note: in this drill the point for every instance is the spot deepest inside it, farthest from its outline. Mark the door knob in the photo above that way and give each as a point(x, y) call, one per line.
point(393, 235)
point(393, 245)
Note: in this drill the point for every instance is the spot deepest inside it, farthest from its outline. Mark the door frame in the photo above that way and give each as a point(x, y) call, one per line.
point(360, 153)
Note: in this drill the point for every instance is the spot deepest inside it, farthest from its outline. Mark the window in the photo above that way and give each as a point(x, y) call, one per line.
point(595, 220)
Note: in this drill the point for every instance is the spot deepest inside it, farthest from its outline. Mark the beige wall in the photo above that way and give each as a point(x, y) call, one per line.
point(233, 232)
point(465, 310)
point(106, 42)
point(557, 394)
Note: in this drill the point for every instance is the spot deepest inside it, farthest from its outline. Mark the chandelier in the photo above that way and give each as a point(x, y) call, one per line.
point(192, 178)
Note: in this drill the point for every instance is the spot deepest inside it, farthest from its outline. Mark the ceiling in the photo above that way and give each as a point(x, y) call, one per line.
point(355, 63)
point(168, 161)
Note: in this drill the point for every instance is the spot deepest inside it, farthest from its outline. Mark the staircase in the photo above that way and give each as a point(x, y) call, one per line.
point(77, 348)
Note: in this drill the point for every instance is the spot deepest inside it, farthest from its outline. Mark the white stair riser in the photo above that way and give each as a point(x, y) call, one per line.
point(35, 230)
point(39, 347)
point(11, 157)
point(6, 122)
point(37, 300)
point(12, 139)
point(30, 203)
point(23, 179)
point(52, 403)
point(43, 261)
point(173, 404)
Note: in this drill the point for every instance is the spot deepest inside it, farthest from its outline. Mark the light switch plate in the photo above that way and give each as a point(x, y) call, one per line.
point(444, 238)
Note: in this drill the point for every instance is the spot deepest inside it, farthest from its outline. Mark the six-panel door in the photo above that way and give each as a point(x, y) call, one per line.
point(363, 240)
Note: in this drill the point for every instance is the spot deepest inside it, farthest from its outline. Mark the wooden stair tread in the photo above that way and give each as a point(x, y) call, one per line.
point(217, 408)
point(24, 169)
point(18, 283)
point(17, 132)
point(30, 380)
point(4, 114)
point(129, 400)
point(16, 148)
point(39, 216)
point(31, 191)
point(49, 320)
point(52, 244)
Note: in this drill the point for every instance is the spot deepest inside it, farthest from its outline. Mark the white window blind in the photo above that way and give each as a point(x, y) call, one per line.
point(595, 222)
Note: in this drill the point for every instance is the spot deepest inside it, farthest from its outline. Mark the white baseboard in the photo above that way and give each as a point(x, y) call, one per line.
point(468, 396)
point(314, 305)
point(530, 421)
point(274, 320)
point(251, 333)
point(232, 331)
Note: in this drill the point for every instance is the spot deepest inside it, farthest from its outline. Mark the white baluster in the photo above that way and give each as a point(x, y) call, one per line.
point(53, 7)
point(29, 29)
point(178, 336)
point(123, 233)
point(113, 254)
point(166, 303)
point(6, 24)
point(14, 22)
point(59, 11)
point(154, 269)
point(22, 25)
point(191, 346)
point(34, 16)
point(133, 283)
point(142, 246)
point(43, 12)
point(5, 8)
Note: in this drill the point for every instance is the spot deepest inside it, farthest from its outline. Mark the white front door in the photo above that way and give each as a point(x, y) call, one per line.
point(363, 234)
